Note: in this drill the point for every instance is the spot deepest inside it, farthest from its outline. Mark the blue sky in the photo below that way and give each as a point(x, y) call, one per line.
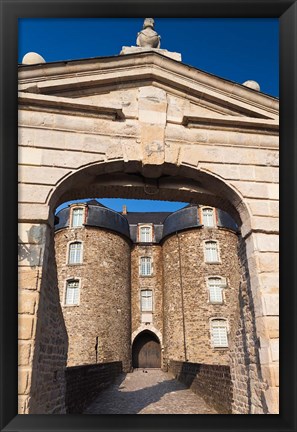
point(238, 49)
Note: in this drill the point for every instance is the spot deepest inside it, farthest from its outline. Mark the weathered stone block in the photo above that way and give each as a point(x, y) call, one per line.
point(70, 159)
point(33, 212)
point(27, 301)
point(33, 193)
point(270, 304)
point(265, 355)
point(269, 224)
point(31, 233)
point(26, 136)
point(30, 255)
point(252, 189)
point(267, 174)
point(268, 326)
point(23, 381)
point(29, 278)
point(274, 345)
point(267, 262)
point(41, 175)
point(272, 400)
point(24, 352)
point(267, 242)
point(269, 282)
point(23, 404)
point(152, 139)
point(188, 156)
point(25, 327)
point(29, 156)
point(271, 374)
point(42, 119)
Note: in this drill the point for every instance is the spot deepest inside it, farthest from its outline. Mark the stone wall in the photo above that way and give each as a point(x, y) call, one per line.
point(249, 386)
point(47, 388)
point(99, 327)
point(84, 383)
point(213, 382)
point(153, 282)
point(186, 300)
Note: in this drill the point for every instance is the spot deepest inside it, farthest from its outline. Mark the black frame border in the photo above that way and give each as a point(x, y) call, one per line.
point(11, 10)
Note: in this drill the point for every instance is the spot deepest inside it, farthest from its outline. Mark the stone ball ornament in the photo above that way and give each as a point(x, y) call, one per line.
point(32, 58)
point(252, 85)
point(148, 37)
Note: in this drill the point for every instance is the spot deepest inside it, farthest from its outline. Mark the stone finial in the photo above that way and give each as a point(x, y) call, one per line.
point(252, 84)
point(148, 37)
point(32, 58)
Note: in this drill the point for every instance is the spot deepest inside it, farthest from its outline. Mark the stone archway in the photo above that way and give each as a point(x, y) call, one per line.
point(184, 188)
point(174, 133)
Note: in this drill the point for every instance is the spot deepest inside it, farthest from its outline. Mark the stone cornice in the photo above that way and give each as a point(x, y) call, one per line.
point(148, 65)
point(68, 106)
point(233, 123)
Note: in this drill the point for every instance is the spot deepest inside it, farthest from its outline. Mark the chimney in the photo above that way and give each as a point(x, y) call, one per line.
point(124, 212)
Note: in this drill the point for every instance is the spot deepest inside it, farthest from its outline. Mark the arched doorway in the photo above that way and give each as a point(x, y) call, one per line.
point(146, 351)
point(192, 185)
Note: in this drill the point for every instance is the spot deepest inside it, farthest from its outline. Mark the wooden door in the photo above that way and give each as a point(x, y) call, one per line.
point(146, 352)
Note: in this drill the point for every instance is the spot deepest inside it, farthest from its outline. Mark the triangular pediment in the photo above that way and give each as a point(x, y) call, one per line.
point(114, 82)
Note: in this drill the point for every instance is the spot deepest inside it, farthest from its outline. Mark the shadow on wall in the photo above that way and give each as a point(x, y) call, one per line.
point(211, 382)
point(31, 250)
point(249, 341)
point(48, 386)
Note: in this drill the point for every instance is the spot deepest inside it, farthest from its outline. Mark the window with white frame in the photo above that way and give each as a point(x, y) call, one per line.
point(215, 289)
point(145, 266)
point(77, 217)
point(146, 300)
point(72, 292)
point(145, 234)
point(208, 216)
point(75, 253)
point(219, 333)
point(211, 251)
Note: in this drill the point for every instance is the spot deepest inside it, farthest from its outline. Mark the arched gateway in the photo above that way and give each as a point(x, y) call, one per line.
point(146, 351)
point(143, 125)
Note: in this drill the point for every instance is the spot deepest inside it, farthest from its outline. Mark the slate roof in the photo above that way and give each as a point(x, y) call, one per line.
point(148, 217)
point(93, 202)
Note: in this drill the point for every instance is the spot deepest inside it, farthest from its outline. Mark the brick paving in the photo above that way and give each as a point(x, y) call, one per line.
point(148, 391)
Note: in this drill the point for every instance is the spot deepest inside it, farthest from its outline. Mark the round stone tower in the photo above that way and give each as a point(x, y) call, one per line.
point(201, 283)
point(94, 276)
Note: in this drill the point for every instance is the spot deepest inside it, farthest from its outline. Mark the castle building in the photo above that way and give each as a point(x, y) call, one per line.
point(143, 288)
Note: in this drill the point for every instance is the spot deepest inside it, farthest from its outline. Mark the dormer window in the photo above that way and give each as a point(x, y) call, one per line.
point(208, 217)
point(77, 217)
point(145, 234)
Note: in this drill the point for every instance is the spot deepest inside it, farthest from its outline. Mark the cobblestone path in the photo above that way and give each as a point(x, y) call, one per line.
point(148, 392)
